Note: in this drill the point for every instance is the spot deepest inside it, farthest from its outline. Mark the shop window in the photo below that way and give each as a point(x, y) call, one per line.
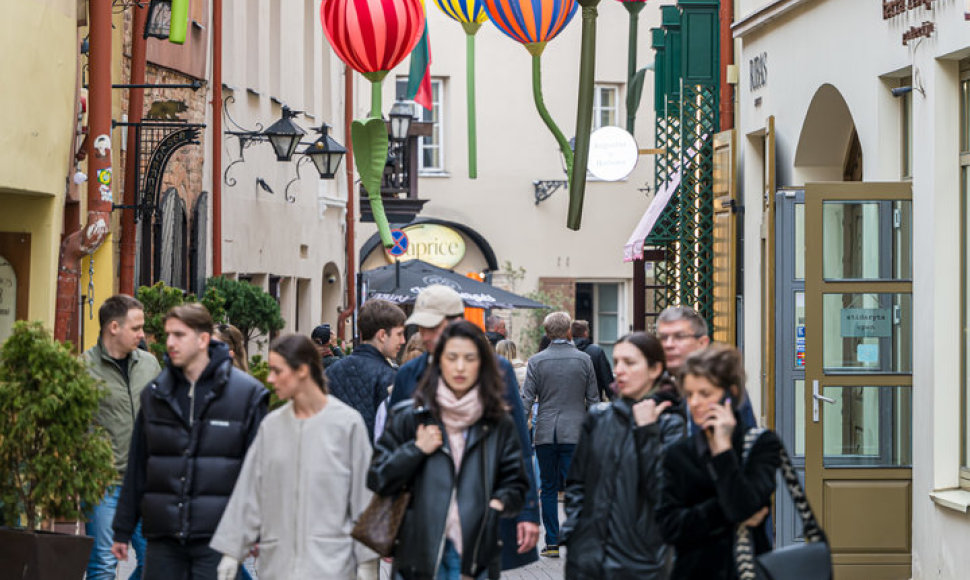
point(606, 108)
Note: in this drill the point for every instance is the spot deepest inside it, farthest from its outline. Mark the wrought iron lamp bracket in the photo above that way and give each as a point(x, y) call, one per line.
point(244, 136)
point(545, 188)
point(286, 192)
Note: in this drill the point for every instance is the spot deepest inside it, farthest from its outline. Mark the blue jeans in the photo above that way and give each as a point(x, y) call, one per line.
point(450, 568)
point(101, 564)
point(554, 460)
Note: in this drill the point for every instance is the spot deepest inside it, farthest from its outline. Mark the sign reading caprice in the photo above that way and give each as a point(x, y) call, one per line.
point(434, 244)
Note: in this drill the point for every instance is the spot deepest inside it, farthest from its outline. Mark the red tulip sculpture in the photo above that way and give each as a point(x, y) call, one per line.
point(534, 23)
point(372, 37)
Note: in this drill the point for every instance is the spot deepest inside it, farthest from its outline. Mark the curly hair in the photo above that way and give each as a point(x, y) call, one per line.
point(491, 385)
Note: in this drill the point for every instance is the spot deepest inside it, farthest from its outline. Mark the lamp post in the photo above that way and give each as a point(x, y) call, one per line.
point(402, 113)
point(284, 135)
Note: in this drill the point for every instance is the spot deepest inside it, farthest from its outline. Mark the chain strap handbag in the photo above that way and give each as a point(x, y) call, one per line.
point(811, 560)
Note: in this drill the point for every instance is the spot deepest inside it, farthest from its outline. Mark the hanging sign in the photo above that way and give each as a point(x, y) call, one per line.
point(613, 154)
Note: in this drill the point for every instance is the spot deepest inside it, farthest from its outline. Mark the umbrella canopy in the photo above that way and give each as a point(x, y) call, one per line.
point(403, 288)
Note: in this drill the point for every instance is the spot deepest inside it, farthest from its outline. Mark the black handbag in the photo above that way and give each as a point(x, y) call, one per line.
point(811, 560)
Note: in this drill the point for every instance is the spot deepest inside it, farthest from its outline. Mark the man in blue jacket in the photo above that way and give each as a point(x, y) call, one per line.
point(435, 307)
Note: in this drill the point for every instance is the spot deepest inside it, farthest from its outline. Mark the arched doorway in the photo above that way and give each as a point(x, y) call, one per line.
point(828, 148)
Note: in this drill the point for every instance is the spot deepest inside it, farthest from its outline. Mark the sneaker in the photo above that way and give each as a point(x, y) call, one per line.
point(550, 552)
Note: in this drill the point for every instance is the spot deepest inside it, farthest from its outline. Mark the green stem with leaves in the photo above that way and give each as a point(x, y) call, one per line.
point(584, 115)
point(567, 151)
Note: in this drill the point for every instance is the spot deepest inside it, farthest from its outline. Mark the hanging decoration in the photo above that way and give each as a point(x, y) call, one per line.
point(372, 37)
point(534, 23)
point(635, 78)
point(584, 115)
point(471, 14)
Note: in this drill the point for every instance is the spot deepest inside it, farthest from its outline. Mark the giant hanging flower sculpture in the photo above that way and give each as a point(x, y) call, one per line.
point(471, 14)
point(372, 37)
point(534, 23)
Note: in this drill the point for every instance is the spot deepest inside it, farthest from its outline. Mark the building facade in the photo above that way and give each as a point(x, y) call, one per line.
point(852, 165)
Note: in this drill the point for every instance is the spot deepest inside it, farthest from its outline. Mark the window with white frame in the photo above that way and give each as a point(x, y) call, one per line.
point(606, 108)
point(431, 150)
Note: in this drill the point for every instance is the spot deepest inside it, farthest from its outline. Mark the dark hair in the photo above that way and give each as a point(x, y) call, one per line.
point(652, 349)
point(233, 337)
point(116, 308)
point(580, 329)
point(297, 350)
point(376, 314)
point(491, 385)
point(193, 315)
point(722, 365)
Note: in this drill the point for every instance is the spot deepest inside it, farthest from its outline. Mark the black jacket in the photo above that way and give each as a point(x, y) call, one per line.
point(492, 454)
point(361, 380)
point(704, 498)
point(181, 471)
point(601, 366)
point(611, 493)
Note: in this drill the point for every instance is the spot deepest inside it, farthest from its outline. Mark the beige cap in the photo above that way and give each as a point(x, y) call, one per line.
point(434, 304)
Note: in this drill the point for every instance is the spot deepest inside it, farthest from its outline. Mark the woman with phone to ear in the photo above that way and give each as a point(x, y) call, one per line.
point(457, 451)
point(614, 481)
point(708, 490)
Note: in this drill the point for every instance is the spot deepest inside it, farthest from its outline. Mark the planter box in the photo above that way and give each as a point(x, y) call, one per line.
point(36, 555)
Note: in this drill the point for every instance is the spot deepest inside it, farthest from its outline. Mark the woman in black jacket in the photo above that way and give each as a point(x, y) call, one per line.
point(458, 452)
point(614, 482)
point(707, 489)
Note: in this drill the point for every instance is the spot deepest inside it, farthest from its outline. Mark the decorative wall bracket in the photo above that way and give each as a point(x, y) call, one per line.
point(545, 188)
point(245, 137)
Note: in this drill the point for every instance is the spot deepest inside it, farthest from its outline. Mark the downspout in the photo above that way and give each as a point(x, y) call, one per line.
point(727, 59)
point(136, 108)
point(216, 138)
point(90, 237)
point(349, 240)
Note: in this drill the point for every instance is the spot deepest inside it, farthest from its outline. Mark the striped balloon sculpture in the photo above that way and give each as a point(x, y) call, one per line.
point(471, 14)
point(372, 37)
point(534, 23)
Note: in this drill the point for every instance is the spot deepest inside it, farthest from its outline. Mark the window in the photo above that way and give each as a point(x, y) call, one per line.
point(964, 279)
point(431, 149)
point(607, 317)
point(606, 109)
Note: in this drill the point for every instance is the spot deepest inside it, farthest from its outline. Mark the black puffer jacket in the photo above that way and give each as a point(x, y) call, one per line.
point(185, 456)
point(601, 365)
point(361, 380)
point(611, 492)
point(492, 454)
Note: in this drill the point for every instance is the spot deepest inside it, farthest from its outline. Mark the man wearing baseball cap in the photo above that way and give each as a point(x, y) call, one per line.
point(435, 307)
point(326, 344)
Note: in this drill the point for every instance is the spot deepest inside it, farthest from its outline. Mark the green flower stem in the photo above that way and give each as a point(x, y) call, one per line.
point(472, 124)
point(634, 8)
point(376, 99)
point(567, 151)
point(584, 115)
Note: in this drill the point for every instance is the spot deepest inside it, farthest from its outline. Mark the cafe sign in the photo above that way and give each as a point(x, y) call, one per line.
point(435, 244)
point(894, 8)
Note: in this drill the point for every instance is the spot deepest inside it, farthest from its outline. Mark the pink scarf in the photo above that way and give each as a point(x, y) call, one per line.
point(457, 415)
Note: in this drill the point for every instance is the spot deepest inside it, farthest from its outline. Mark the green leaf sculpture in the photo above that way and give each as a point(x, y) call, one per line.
point(370, 155)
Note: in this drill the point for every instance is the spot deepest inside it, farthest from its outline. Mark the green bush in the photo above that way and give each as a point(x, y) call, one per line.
point(51, 459)
point(259, 368)
point(161, 298)
point(247, 307)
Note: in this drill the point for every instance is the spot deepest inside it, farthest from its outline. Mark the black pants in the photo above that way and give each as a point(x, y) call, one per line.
point(173, 560)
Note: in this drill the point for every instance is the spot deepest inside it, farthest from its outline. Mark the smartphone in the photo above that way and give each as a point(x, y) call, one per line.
point(725, 399)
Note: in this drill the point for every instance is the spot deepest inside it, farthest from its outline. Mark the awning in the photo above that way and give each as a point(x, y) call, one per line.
point(633, 249)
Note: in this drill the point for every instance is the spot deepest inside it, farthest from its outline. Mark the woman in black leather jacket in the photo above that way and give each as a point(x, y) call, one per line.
point(708, 490)
point(457, 451)
point(613, 484)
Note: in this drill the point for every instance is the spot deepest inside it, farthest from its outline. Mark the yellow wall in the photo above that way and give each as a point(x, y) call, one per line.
point(38, 39)
point(40, 217)
point(104, 286)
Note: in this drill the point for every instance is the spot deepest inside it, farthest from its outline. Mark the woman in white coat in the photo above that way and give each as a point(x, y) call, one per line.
point(303, 482)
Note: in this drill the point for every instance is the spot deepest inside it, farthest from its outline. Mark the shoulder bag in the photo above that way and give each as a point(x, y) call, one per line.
point(378, 524)
point(811, 560)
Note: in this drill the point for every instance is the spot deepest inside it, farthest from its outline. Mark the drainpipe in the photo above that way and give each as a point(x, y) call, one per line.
point(136, 107)
point(216, 138)
point(90, 237)
point(727, 59)
point(349, 241)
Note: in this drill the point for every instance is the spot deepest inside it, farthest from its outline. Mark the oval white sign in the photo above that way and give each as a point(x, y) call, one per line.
point(613, 154)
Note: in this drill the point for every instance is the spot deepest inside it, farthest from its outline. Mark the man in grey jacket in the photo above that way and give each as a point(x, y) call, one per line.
point(123, 370)
point(561, 378)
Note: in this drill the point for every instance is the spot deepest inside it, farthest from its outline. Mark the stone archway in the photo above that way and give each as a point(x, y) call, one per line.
point(829, 148)
point(331, 293)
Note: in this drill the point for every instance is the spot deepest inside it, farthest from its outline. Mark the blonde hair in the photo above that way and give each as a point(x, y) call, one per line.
point(233, 338)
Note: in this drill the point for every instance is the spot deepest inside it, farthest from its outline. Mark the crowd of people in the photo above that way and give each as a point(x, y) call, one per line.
point(646, 457)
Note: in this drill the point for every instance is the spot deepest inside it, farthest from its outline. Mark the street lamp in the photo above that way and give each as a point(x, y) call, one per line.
point(284, 135)
point(402, 113)
point(325, 153)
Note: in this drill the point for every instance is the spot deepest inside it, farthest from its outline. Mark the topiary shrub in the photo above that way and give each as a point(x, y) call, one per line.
point(51, 458)
point(160, 298)
point(248, 308)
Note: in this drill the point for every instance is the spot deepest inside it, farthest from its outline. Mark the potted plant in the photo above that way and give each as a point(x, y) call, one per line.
point(52, 460)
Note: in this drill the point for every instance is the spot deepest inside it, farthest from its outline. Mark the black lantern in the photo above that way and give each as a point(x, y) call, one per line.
point(402, 113)
point(325, 153)
point(284, 135)
point(159, 22)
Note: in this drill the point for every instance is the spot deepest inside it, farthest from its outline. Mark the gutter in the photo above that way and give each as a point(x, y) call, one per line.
point(349, 241)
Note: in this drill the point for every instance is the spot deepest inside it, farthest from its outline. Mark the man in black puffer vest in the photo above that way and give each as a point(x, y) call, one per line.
point(196, 422)
point(361, 380)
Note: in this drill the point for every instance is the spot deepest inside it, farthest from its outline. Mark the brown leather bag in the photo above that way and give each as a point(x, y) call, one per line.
point(379, 523)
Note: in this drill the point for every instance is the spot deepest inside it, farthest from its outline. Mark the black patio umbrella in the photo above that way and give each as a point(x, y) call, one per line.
point(402, 287)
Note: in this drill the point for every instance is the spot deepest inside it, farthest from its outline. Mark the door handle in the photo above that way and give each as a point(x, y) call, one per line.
point(816, 397)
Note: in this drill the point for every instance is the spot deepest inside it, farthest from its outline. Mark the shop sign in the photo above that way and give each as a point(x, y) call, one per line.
point(613, 154)
point(894, 8)
point(435, 244)
point(758, 71)
point(866, 323)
